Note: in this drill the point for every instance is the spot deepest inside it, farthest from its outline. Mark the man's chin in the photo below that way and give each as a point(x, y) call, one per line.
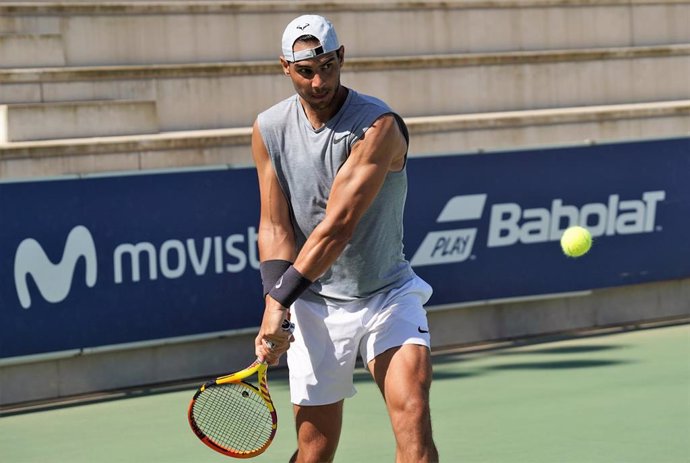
point(321, 103)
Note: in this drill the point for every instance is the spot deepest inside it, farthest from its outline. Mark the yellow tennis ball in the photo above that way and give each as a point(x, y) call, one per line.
point(576, 241)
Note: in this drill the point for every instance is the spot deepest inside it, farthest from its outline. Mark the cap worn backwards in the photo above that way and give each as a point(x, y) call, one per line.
point(313, 25)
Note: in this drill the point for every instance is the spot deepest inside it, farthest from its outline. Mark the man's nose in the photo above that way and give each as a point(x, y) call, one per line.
point(317, 81)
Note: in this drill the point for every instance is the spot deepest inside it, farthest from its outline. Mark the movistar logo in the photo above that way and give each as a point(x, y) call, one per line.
point(512, 224)
point(132, 262)
point(53, 281)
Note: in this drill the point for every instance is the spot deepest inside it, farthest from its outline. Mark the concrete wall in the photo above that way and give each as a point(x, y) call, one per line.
point(190, 97)
point(429, 136)
point(454, 57)
point(178, 32)
point(77, 119)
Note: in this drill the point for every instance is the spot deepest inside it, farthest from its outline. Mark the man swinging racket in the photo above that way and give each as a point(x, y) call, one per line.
point(331, 168)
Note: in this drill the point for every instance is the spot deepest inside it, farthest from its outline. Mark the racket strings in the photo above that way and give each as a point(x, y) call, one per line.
point(234, 416)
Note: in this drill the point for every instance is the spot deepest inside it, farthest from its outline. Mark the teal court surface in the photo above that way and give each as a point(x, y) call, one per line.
point(617, 397)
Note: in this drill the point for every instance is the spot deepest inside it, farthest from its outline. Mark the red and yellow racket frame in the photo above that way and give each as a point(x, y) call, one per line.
point(238, 378)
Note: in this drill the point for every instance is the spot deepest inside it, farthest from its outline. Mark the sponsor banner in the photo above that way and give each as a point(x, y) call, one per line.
point(488, 226)
point(108, 260)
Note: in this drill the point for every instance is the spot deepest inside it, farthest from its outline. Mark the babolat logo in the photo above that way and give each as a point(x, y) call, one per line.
point(54, 281)
point(450, 246)
point(511, 224)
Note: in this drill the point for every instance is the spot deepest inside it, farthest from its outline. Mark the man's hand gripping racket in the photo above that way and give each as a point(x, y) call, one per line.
point(234, 417)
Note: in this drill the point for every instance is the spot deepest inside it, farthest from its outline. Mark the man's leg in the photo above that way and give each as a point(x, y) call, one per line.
point(403, 375)
point(318, 432)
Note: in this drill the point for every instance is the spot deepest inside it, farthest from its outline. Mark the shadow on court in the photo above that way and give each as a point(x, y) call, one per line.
point(567, 350)
point(567, 364)
point(525, 351)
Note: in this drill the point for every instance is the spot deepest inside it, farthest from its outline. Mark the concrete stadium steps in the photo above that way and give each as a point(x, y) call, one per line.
point(463, 133)
point(518, 129)
point(72, 119)
point(144, 32)
point(31, 50)
point(208, 96)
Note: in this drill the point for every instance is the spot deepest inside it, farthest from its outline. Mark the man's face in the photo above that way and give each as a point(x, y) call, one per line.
point(316, 80)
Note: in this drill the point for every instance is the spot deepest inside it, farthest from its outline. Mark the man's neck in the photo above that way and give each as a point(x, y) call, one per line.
point(319, 118)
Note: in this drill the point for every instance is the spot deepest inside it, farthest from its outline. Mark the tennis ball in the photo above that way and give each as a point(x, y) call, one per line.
point(576, 241)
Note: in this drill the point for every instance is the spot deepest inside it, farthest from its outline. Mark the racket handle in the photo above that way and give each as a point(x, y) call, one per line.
point(286, 326)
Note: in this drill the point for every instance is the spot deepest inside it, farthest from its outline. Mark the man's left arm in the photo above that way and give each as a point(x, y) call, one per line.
point(382, 149)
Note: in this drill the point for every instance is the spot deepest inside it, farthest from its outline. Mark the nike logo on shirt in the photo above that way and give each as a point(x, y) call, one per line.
point(338, 140)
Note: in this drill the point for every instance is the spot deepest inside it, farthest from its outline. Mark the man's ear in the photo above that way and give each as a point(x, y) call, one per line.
point(285, 65)
point(341, 54)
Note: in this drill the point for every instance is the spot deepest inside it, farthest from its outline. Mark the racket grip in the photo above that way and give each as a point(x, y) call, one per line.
point(286, 326)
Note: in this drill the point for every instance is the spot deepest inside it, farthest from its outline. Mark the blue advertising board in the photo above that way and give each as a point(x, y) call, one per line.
point(484, 227)
point(107, 260)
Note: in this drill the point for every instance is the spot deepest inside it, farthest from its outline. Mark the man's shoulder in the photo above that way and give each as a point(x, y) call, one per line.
point(369, 100)
point(370, 108)
point(278, 110)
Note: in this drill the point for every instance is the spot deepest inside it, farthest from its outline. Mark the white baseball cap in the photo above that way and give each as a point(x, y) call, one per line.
point(309, 24)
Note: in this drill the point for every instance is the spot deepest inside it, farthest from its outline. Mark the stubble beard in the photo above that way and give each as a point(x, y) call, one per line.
point(325, 104)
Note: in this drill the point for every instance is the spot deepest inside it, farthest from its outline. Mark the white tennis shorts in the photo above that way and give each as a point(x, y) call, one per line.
point(328, 336)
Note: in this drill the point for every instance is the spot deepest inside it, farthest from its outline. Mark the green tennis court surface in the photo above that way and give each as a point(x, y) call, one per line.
point(615, 398)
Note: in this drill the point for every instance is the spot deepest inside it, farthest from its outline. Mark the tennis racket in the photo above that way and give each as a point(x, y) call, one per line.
point(234, 417)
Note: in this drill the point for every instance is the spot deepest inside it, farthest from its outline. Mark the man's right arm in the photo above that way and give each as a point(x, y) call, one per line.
point(276, 236)
point(276, 241)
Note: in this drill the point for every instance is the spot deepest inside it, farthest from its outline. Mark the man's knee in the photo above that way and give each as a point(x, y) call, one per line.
point(318, 432)
point(410, 414)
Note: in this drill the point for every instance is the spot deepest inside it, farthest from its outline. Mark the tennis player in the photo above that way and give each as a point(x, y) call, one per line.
point(331, 168)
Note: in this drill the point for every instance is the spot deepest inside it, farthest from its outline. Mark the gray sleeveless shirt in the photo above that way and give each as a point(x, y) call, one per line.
point(306, 161)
